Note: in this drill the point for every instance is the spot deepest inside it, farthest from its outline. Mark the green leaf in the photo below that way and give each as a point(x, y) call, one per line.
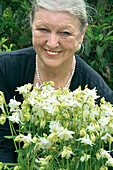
point(109, 33)
point(99, 51)
point(105, 28)
point(4, 40)
point(87, 48)
point(111, 79)
point(100, 37)
point(5, 46)
point(108, 38)
point(9, 137)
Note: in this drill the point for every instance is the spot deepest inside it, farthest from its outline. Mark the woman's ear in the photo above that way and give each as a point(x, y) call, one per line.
point(83, 34)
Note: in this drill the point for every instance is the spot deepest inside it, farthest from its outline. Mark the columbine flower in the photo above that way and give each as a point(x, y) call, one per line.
point(67, 152)
point(53, 137)
point(13, 104)
point(103, 168)
point(25, 139)
point(86, 140)
point(107, 137)
point(65, 134)
point(17, 167)
point(55, 126)
point(104, 154)
point(84, 158)
point(44, 143)
point(110, 162)
point(2, 119)
point(42, 161)
point(104, 121)
point(91, 127)
point(24, 89)
point(15, 117)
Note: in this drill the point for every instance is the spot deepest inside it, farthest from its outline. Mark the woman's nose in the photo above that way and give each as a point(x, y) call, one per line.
point(53, 41)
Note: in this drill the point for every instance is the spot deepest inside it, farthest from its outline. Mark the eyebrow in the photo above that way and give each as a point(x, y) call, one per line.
point(60, 27)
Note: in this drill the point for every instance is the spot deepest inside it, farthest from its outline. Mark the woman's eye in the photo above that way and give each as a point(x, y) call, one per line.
point(43, 29)
point(65, 34)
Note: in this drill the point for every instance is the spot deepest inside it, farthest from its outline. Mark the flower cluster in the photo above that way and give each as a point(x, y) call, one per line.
point(60, 129)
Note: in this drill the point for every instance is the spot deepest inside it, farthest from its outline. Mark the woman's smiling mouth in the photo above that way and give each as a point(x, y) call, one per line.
point(52, 53)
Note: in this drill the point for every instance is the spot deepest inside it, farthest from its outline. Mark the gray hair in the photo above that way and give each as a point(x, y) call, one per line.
point(75, 7)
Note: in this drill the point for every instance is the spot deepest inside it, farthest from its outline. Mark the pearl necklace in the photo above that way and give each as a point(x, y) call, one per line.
point(69, 80)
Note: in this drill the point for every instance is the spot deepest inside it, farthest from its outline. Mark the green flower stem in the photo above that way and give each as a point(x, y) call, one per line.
point(10, 125)
point(11, 164)
point(86, 168)
point(57, 161)
point(77, 165)
point(67, 164)
point(90, 159)
point(81, 166)
point(62, 162)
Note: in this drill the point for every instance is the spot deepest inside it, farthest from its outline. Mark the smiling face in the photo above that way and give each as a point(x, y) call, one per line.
point(56, 36)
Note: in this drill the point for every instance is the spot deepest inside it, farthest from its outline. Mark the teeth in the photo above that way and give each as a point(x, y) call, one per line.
point(52, 53)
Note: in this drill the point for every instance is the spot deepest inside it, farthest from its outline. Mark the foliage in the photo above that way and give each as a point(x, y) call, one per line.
point(99, 42)
point(59, 129)
point(14, 23)
point(4, 47)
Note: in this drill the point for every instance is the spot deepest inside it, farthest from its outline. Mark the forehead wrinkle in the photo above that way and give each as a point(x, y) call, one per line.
point(60, 27)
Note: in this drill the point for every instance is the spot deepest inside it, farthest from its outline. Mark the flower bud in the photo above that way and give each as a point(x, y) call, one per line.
point(34, 139)
point(48, 157)
point(93, 137)
point(42, 168)
point(98, 156)
point(97, 127)
point(42, 124)
point(82, 132)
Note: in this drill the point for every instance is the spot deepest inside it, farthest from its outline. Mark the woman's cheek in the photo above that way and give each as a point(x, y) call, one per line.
point(39, 40)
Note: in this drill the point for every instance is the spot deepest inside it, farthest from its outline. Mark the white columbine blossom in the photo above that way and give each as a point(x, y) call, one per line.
point(13, 104)
point(106, 137)
point(24, 89)
point(65, 134)
point(25, 139)
point(67, 152)
point(44, 143)
point(55, 126)
point(15, 117)
point(104, 154)
point(86, 140)
point(42, 161)
point(110, 162)
point(62, 133)
point(103, 123)
point(84, 158)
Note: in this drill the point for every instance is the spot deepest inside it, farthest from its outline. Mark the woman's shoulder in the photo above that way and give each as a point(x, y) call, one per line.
point(86, 71)
point(13, 54)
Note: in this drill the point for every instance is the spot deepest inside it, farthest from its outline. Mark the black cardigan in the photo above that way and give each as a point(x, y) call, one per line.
point(17, 68)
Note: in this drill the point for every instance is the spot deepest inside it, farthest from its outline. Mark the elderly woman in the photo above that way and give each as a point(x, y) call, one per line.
point(58, 29)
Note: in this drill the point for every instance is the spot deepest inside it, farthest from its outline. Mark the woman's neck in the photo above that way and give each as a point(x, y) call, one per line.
point(59, 75)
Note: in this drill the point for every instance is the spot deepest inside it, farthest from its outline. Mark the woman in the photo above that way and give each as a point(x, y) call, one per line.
point(58, 29)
